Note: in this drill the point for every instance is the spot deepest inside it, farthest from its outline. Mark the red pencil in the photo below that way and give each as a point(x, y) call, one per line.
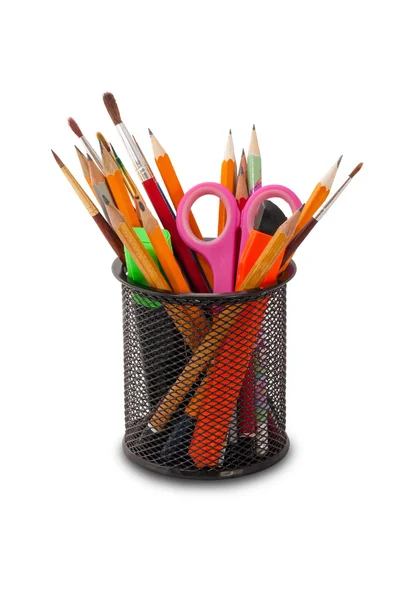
point(189, 263)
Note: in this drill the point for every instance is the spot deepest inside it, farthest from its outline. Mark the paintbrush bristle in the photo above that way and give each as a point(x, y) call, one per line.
point(57, 158)
point(355, 171)
point(75, 127)
point(103, 141)
point(112, 107)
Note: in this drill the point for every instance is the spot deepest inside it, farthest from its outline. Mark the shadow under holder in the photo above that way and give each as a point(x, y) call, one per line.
point(204, 379)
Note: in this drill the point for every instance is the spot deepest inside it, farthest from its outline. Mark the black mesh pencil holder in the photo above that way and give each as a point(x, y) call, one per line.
point(204, 379)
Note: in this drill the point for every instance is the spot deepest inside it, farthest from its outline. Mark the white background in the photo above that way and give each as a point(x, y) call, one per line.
point(79, 521)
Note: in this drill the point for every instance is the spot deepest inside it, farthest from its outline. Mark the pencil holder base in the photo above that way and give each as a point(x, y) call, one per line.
point(207, 474)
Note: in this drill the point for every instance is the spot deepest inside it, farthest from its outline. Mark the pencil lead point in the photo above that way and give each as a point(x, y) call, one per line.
point(105, 199)
point(89, 158)
point(243, 152)
point(150, 132)
point(230, 132)
point(254, 127)
point(339, 161)
point(59, 161)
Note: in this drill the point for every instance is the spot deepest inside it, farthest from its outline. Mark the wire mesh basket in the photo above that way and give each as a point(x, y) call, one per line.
point(204, 379)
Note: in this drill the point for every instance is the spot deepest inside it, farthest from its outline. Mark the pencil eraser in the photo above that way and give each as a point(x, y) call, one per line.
point(269, 217)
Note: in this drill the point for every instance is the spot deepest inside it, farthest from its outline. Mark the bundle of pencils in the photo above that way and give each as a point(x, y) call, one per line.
point(121, 212)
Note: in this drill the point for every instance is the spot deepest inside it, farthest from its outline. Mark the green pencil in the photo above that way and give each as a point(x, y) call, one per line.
point(253, 164)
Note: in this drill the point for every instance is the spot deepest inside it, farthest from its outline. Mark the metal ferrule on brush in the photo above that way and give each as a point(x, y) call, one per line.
point(141, 166)
point(92, 153)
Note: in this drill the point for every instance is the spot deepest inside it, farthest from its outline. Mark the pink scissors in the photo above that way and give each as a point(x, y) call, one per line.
point(220, 253)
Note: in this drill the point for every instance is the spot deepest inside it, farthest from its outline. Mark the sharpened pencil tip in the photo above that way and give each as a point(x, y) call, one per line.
point(254, 127)
point(355, 171)
point(230, 132)
point(105, 199)
point(243, 152)
point(59, 161)
point(150, 132)
point(339, 161)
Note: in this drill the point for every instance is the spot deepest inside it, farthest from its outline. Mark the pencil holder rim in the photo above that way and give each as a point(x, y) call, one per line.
point(119, 273)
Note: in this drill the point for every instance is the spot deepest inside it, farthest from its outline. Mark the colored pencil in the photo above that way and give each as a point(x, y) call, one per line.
point(319, 195)
point(176, 193)
point(84, 165)
point(167, 217)
point(242, 193)
point(149, 269)
point(305, 230)
point(172, 271)
point(163, 251)
point(78, 132)
point(101, 188)
point(270, 254)
point(118, 189)
point(253, 164)
point(137, 250)
point(105, 228)
point(228, 178)
point(133, 190)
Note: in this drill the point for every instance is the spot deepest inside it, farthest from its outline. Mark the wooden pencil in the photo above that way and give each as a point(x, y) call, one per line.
point(163, 251)
point(309, 226)
point(105, 228)
point(253, 163)
point(319, 195)
point(176, 193)
point(242, 193)
point(133, 190)
point(173, 272)
point(78, 132)
point(150, 271)
point(137, 250)
point(228, 178)
point(100, 186)
point(271, 252)
point(317, 198)
point(84, 165)
point(117, 187)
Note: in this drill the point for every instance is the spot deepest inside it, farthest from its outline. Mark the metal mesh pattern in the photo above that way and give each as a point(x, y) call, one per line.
point(205, 379)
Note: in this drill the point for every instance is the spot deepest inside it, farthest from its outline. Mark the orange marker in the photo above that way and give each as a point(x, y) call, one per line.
point(267, 221)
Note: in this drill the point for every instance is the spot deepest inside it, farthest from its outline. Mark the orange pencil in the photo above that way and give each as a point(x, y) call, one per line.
point(116, 184)
point(163, 251)
point(317, 198)
point(228, 178)
point(173, 272)
point(176, 194)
